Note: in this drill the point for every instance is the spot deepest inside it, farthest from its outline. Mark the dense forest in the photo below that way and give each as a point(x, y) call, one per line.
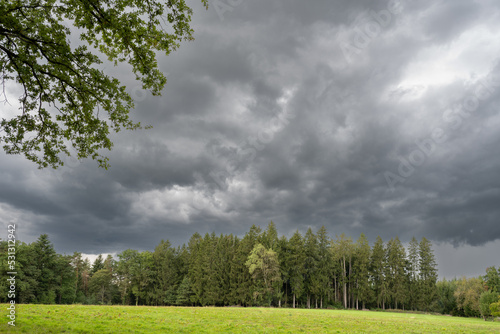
point(260, 269)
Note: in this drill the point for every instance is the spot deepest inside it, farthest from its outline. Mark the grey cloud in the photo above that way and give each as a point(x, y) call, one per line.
point(346, 124)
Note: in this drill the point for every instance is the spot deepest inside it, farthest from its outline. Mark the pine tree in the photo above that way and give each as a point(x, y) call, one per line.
point(44, 260)
point(377, 272)
point(269, 238)
point(395, 272)
point(221, 269)
point(311, 266)
point(210, 282)
point(184, 293)
point(128, 275)
point(413, 273)
point(65, 278)
point(344, 249)
point(284, 260)
point(492, 279)
point(428, 274)
point(196, 271)
point(296, 266)
point(322, 278)
point(166, 274)
point(361, 271)
point(242, 285)
point(97, 265)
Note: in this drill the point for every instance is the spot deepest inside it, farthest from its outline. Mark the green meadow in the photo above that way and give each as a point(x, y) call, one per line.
point(146, 319)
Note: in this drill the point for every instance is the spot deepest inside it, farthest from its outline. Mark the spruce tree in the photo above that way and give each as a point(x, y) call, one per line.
point(377, 269)
point(97, 265)
point(428, 274)
point(361, 271)
point(344, 249)
point(297, 266)
point(413, 273)
point(166, 274)
point(184, 293)
point(44, 259)
point(323, 274)
point(395, 272)
point(195, 271)
point(311, 266)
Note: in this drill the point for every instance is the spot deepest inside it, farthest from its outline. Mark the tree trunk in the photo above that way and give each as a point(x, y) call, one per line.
point(351, 299)
point(286, 294)
point(321, 302)
point(335, 287)
point(357, 296)
point(308, 301)
point(294, 300)
point(345, 286)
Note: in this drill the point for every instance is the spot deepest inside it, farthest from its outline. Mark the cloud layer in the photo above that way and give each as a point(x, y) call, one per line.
point(375, 117)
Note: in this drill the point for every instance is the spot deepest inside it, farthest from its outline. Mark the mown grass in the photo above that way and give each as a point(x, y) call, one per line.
point(130, 319)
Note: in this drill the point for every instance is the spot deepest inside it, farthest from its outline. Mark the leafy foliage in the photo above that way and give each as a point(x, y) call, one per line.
point(485, 300)
point(263, 265)
point(467, 294)
point(258, 269)
point(64, 93)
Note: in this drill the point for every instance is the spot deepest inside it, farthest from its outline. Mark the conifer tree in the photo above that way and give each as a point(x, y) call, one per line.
point(269, 238)
point(166, 274)
point(184, 293)
point(395, 272)
point(322, 277)
point(97, 265)
point(428, 274)
point(377, 269)
point(284, 254)
point(297, 266)
point(195, 271)
point(311, 266)
point(344, 249)
point(413, 273)
point(361, 271)
point(44, 260)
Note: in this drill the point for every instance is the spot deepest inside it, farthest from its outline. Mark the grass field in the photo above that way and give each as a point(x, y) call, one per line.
point(130, 319)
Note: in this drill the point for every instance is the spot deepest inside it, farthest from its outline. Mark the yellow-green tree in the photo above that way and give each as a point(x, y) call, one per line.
point(467, 294)
point(264, 267)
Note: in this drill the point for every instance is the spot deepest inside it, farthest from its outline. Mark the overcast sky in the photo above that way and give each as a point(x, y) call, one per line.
point(375, 117)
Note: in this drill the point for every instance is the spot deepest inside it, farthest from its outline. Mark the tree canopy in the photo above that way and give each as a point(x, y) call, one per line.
point(66, 100)
point(313, 271)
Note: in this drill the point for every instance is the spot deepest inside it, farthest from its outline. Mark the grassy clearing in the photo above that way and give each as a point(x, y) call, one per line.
point(130, 319)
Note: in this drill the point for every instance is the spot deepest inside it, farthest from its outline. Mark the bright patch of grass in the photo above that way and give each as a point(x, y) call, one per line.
point(142, 319)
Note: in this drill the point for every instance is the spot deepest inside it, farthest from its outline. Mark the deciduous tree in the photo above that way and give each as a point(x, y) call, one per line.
point(66, 99)
point(263, 265)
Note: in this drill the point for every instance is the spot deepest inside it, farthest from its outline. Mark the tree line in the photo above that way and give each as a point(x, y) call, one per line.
point(259, 269)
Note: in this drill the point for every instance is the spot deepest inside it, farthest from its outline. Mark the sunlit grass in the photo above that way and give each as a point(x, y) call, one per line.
point(142, 319)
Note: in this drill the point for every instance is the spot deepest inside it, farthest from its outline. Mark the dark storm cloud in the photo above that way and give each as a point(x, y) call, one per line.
point(295, 112)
